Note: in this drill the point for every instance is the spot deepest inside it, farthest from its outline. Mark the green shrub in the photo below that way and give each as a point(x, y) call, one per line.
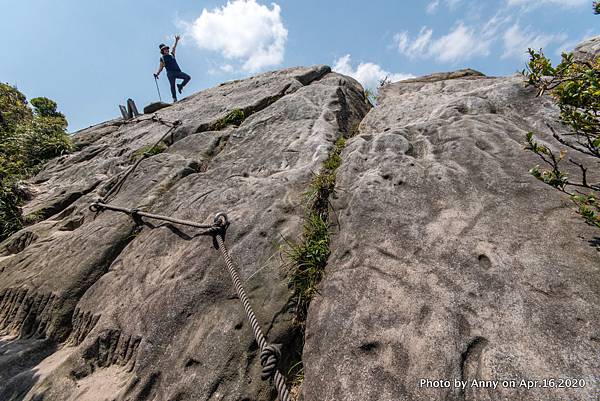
point(575, 86)
point(10, 214)
point(13, 106)
point(28, 138)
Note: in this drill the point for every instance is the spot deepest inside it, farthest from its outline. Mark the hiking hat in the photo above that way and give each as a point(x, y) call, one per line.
point(162, 46)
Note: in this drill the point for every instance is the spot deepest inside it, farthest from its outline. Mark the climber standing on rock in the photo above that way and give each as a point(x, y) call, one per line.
point(167, 61)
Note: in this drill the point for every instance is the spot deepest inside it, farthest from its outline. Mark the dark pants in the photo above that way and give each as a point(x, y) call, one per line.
point(173, 75)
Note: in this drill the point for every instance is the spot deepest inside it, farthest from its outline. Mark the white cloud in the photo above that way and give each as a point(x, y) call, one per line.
point(417, 47)
point(461, 43)
point(368, 74)
point(226, 68)
point(500, 33)
point(242, 30)
point(432, 7)
point(453, 3)
point(566, 47)
point(497, 23)
point(569, 45)
point(518, 40)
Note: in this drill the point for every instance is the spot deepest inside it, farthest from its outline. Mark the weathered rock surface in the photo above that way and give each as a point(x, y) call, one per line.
point(588, 49)
point(451, 261)
point(94, 307)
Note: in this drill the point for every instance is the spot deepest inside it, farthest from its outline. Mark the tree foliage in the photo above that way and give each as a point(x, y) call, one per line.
point(29, 136)
point(575, 86)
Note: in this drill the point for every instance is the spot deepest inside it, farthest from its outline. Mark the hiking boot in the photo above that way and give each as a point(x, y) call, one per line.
point(179, 88)
point(174, 99)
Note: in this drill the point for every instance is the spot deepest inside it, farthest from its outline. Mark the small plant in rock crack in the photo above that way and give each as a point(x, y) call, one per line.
point(335, 158)
point(34, 217)
point(150, 150)
point(385, 81)
point(308, 256)
point(295, 376)
point(234, 117)
point(308, 259)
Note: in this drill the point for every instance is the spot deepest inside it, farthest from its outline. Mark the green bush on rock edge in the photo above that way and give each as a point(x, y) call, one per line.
point(30, 134)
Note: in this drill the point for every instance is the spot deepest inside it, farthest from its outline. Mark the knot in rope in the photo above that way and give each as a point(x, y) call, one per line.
point(269, 359)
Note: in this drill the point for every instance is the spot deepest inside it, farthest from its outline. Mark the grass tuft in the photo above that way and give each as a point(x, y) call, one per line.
point(150, 150)
point(296, 379)
point(234, 117)
point(308, 256)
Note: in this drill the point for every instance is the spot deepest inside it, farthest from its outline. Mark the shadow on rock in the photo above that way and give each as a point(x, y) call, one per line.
point(175, 230)
point(595, 243)
point(17, 361)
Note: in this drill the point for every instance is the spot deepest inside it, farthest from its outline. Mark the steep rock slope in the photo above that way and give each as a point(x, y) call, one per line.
point(448, 261)
point(451, 261)
point(93, 306)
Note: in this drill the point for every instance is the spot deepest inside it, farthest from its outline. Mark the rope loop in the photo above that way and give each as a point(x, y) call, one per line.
point(96, 206)
point(221, 220)
point(269, 359)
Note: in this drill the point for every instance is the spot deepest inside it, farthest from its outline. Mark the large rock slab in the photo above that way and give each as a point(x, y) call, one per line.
point(96, 306)
point(106, 150)
point(588, 50)
point(451, 261)
point(42, 282)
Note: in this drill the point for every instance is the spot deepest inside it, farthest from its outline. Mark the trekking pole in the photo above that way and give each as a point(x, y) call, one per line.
point(156, 82)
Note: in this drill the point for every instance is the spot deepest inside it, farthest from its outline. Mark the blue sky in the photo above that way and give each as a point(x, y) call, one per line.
point(91, 56)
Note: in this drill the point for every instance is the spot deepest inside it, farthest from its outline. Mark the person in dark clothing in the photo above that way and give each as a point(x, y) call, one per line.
point(168, 62)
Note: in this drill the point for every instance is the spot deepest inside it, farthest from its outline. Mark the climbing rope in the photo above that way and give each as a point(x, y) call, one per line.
point(269, 353)
point(100, 206)
point(117, 187)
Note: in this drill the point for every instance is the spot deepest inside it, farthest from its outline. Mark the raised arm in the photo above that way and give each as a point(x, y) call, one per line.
point(160, 68)
point(177, 37)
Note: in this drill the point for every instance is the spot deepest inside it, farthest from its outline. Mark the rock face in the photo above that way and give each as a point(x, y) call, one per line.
point(449, 261)
point(94, 307)
point(588, 50)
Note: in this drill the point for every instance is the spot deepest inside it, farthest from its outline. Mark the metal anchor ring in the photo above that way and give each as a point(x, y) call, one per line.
point(221, 219)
